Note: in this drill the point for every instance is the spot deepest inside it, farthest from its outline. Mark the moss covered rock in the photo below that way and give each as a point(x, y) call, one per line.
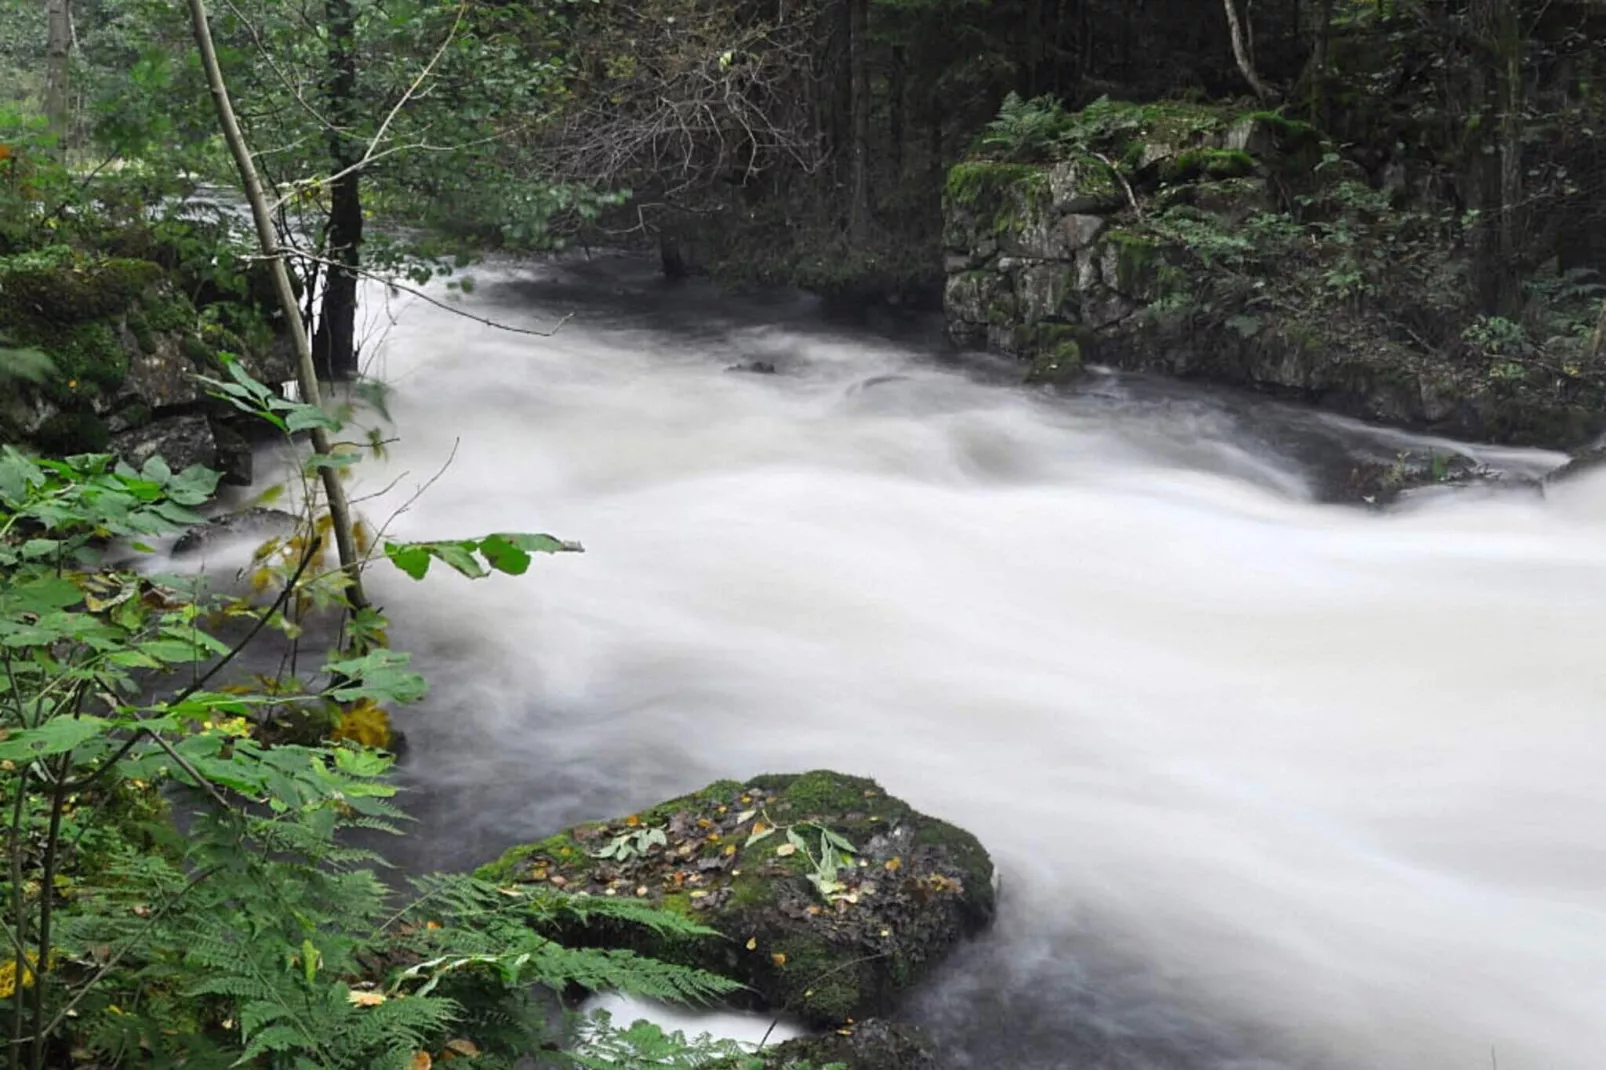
point(831, 898)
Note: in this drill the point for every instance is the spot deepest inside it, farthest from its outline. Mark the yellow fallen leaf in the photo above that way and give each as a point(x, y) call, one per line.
point(464, 1047)
point(786, 849)
point(752, 943)
point(365, 999)
point(422, 1061)
point(778, 958)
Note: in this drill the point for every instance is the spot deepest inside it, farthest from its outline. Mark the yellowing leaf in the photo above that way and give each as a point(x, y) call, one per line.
point(365, 999)
point(786, 849)
point(778, 958)
point(461, 1046)
point(422, 1061)
point(752, 943)
point(366, 723)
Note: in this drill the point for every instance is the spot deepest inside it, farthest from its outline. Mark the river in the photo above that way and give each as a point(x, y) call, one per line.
point(1270, 783)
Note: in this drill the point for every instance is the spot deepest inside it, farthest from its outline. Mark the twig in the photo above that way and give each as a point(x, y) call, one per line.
point(372, 152)
point(421, 295)
point(417, 494)
point(1131, 197)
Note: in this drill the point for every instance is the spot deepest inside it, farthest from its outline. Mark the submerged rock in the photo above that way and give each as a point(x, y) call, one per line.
point(254, 521)
point(830, 897)
point(875, 1044)
point(1378, 484)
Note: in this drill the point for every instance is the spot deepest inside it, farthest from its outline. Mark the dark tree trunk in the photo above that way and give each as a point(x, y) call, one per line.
point(334, 343)
point(1497, 96)
point(858, 65)
point(897, 88)
point(1322, 63)
point(58, 59)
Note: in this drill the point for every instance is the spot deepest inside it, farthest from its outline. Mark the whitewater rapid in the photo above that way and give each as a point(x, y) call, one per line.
point(1270, 783)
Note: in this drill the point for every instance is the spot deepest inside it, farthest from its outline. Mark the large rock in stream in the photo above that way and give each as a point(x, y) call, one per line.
point(830, 897)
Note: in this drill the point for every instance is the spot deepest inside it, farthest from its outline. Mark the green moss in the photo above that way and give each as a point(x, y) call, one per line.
point(1212, 163)
point(57, 285)
point(825, 794)
point(562, 849)
point(1001, 194)
point(73, 432)
point(1058, 353)
point(89, 359)
point(1137, 257)
point(1293, 131)
point(816, 981)
point(976, 183)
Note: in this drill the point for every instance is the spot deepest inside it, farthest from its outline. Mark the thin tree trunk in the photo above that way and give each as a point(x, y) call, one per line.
point(897, 90)
point(1597, 344)
point(858, 65)
point(334, 344)
point(1323, 62)
point(1240, 53)
point(268, 238)
point(58, 60)
point(1511, 212)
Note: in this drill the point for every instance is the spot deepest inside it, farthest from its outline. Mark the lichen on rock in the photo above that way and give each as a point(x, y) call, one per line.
point(811, 928)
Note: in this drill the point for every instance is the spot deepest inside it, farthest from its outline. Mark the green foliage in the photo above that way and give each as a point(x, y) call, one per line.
point(508, 552)
point(1025, 130)
point(263, 937)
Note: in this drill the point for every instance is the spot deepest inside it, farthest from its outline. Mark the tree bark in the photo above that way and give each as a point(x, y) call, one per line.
point(1497, 97)
point(1240, 53)
point(1597, 344)
point(268, 239)
point(858, 66)
point(1322, 62)
point(897, 89)
point(58, 69)
point(334, 344)
point(1512, 215)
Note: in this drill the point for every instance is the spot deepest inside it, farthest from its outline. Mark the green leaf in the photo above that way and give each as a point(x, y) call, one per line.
point(381, 675)
point(540, 544)
point(504, 556)
point(38, 596)
point(459, 555)
point(762, 834)
point(305, 417)
point(173, 651)
point(411, 558)
point(55, 736)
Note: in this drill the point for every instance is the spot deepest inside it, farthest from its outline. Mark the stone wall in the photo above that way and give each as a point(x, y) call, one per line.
point(1212, 243)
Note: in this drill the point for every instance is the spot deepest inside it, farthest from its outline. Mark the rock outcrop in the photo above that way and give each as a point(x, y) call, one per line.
point(1237, 247)
point(123, 347)
point(831, 898)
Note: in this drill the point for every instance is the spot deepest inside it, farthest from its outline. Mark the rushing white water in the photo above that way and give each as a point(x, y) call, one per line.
point(1270, 783)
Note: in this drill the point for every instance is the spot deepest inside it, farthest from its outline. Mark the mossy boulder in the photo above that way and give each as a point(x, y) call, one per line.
point(753, 861)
